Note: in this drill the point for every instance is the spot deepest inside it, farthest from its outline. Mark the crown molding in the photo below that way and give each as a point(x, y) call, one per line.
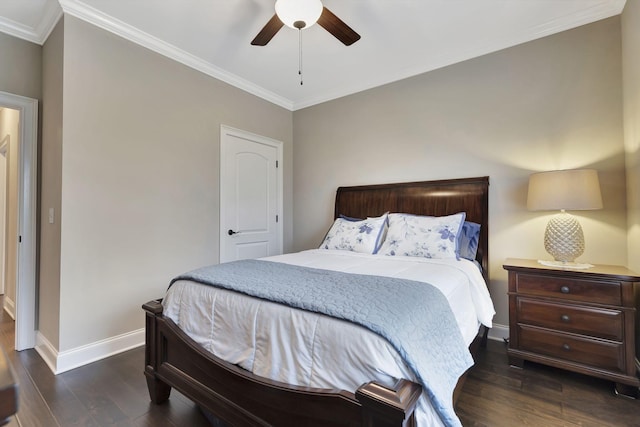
point(18, 30)
point(50, 18)
point(564, 23)
point(93, 16)
point(40, 33)
point(586, 16)
point(78, 9)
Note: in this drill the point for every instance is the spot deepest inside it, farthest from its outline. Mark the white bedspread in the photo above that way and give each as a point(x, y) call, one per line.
point(310, 349)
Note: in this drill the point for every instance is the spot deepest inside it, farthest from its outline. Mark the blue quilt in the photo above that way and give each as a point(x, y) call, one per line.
point(413, 316)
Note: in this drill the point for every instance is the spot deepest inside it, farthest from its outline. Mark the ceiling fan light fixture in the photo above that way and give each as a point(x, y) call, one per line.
point(299, 14)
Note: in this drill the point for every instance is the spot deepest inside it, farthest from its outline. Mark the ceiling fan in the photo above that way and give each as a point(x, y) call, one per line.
point(301, 14)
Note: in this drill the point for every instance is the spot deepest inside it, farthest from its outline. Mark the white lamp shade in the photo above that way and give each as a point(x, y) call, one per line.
point(575, 189)
point(292, 11)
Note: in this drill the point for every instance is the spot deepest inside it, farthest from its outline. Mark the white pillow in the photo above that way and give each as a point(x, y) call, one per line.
point(348, 234)
point(423, 236)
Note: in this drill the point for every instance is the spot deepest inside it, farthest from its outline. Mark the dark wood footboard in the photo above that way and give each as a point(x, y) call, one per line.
point(239, 398)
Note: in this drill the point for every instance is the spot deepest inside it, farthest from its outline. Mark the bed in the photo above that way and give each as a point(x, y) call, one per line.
point(238, 397)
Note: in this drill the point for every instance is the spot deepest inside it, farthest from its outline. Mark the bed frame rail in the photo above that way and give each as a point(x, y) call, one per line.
point(239, 398)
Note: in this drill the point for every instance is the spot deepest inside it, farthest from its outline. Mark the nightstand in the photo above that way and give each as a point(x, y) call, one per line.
point(584, 320)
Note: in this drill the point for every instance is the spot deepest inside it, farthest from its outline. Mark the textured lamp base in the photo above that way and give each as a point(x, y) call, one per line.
point(563, 238)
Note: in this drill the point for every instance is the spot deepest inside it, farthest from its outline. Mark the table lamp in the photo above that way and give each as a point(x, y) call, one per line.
point(564, 190)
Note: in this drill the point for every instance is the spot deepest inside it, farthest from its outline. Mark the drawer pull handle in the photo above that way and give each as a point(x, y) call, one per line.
point(565, 318)
point(564, 289)
point(566, 347)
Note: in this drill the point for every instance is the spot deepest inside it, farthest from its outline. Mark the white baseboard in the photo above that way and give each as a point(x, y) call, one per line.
point(10, 307)
point(60, 362)
point(499, 332)
point(47, 351)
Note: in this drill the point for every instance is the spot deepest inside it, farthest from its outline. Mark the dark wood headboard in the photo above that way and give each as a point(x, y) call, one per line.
point(434, 198)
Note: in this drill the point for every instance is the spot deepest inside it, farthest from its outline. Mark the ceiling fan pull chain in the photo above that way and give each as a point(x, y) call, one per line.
point(300, 54)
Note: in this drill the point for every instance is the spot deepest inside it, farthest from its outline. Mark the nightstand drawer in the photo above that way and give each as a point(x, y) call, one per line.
point(569, 289)
point(592, 321)
point(585, 321)
point(604, 354)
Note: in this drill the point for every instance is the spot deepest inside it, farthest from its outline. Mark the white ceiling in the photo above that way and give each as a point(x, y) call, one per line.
point(400, 38)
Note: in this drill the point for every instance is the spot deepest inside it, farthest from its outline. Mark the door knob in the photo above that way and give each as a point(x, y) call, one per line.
point(231, 232)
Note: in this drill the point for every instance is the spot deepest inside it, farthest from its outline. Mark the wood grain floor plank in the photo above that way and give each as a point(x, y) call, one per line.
point(52, 388)
point(483, 411)
point(545, 396)
point(72, 413)
point(32, 408)
point(517, 398)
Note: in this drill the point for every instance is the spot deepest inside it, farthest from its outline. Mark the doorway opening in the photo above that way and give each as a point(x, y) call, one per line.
point(23, 239)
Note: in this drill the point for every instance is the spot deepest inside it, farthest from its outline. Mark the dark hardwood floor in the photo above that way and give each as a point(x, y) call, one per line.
point(496, 394)
point(112, 392)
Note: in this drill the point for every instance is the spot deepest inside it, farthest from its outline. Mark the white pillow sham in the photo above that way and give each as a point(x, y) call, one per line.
point(423, 236)
point(364, 235)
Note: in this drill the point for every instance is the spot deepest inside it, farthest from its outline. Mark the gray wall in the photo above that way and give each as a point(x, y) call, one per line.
point(140, 154)
point(631, 87)
point(20, 74)
point(20, 67)
point(554, 103)
point(51, 184)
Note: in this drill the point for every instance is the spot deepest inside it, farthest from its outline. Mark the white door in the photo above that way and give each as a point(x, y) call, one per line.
point(250, 195)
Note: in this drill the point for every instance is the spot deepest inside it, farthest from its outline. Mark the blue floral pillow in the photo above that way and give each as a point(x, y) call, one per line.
point(349, 234)
point(468, 240)
point(423, 236)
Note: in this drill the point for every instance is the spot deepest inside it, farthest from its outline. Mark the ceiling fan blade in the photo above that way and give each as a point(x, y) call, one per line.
point(268, 31)
point(337, 27)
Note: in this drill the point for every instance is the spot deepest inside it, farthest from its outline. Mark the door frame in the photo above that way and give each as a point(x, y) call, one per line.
point(27, 218)
point(278, 145)
point(4, 152)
